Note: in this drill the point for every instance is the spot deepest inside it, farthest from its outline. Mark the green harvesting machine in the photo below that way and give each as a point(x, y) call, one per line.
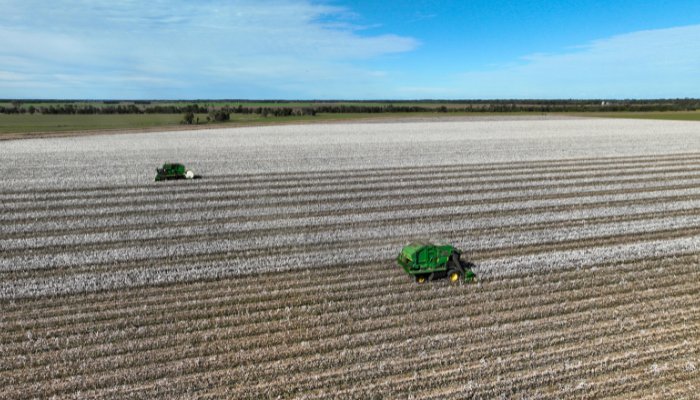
point(172, 171)
point(428, 260)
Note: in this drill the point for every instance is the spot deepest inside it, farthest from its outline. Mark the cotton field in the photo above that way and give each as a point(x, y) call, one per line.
point(275, 276)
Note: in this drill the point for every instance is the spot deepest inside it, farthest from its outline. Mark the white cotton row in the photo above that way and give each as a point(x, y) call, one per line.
point(358, 201)
point(225, 219)
point(529, 264)
point(393, 225)
point(395, 187)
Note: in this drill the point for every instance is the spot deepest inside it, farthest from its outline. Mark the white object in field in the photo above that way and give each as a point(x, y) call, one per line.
point(189, 174)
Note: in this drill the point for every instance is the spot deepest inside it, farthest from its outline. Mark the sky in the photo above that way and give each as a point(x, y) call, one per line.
point(349, 49)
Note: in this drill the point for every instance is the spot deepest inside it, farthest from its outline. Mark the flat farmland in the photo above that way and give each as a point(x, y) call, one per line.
point(56, 123)
point(21, 126)
point(273, 276)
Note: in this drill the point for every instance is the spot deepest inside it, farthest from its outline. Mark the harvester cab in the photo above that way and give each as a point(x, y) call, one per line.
point(429, 260)
point(172, 171)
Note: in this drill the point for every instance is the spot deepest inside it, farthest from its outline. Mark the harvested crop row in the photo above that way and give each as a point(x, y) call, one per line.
point(166, 303)
point(601, 280)
point(260, 314)
point(546, 317)
point(253, 302)
point(276, 309)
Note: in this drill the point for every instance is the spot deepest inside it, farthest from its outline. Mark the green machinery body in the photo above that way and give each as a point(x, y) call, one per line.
point(172, 171)
point(426, 260)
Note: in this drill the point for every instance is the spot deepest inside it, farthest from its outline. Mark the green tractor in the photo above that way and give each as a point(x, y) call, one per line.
point(430, 260)
point(172, 171)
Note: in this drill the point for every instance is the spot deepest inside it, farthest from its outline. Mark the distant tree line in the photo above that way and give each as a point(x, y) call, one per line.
point(68, 109)
point(119, 102)
point(500, 106)
point(547, 102)
point(191, 108)
point(214, 116)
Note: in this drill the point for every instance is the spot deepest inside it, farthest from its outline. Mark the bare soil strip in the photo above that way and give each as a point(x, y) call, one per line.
point(560, 322)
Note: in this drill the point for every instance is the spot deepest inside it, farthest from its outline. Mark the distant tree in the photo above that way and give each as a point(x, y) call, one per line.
point(219, 116)
point(188, 118)
point(16, 103)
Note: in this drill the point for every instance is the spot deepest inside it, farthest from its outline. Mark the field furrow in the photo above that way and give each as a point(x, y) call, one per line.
point(544, 318)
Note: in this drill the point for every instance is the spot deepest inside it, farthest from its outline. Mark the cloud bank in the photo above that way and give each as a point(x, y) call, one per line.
point(156, 49)
point(662, 63)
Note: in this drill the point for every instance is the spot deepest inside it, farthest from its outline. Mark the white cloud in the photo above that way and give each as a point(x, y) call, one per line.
point(185, 49)
point(647, 64)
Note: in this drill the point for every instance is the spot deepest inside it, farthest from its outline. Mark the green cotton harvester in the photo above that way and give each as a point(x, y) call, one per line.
point(428, 260)
point(172, 171)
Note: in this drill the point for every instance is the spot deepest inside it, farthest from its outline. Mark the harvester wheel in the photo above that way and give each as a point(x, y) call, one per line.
point(419, 278)
point(457, 263)
point(453, 275)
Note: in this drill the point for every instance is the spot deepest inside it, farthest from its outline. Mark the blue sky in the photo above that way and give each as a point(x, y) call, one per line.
point(353, 49)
